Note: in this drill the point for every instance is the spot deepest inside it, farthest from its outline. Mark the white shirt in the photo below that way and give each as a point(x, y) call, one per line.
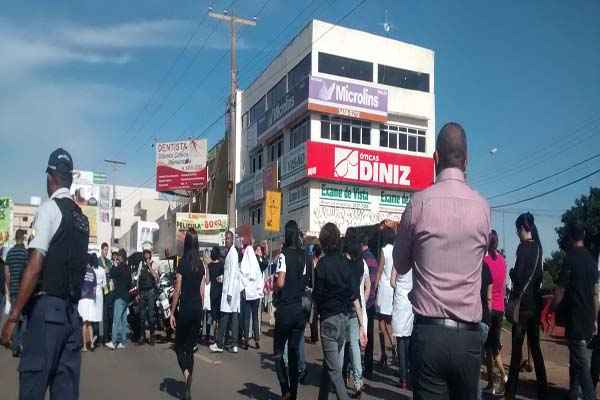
point(47, 221)
point(282, 266)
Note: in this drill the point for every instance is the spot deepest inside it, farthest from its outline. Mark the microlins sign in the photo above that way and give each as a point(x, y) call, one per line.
point(331, 162)
point(347, 99)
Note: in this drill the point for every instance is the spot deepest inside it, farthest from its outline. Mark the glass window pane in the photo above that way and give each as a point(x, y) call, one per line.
point(403, 78)
point(324, 130)
point(412, 131)
point(421, 132)
point(383, 138)
point(345, 133)
point(402, 142)
point(348, 67)
point(355, 134)
point(366, 135)
point(421, 144)
point(393, 140)
point(412, 143)
point(335, 132)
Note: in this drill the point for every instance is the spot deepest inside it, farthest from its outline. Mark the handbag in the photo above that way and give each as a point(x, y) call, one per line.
point(513, 305)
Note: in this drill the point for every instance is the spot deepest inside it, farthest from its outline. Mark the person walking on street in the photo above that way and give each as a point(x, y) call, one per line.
point(577, 299)
point(107, 290)
point(87, 307)
point(16, 260)
point(148, 278)
point(385, 294)
point(230, 298)
point(216, 269)
point(402, 323)
point(289, 315)
point(443, 238)
point(4, 290)
point(493, 346)
point(373, 266)
point(51, 288)
point(526, 278)
point(333, 296)
point(188, 295)
point(253, 286)
point(314, 318)
point(121, 276)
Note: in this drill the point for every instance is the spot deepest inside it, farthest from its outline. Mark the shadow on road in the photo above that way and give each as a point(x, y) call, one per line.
point(173, 387)
point(254, 391)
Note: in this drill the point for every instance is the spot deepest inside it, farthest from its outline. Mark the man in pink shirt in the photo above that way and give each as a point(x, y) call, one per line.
point(443, 238)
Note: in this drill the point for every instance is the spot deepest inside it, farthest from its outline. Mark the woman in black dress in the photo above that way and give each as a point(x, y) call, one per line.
point(188, 288)
point(216, 269)
point(526, 278)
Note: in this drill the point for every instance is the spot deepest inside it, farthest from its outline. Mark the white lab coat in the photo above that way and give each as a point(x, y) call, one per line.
point(251, 275)
point(402, 316)
point(231, 283)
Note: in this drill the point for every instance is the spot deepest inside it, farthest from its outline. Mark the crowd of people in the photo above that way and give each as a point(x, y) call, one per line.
point(435, 283)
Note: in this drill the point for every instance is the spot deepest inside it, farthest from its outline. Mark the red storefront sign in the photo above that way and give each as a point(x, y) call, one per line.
point(181, 165)
point(337, 163)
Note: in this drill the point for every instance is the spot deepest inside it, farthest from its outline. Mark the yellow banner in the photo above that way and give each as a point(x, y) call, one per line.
point(91, 212)
point(272, 211)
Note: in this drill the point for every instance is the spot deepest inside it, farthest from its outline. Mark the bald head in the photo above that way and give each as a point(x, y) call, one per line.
point(451, 147)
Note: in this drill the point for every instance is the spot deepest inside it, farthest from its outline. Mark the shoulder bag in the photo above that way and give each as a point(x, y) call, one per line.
point(513, 305)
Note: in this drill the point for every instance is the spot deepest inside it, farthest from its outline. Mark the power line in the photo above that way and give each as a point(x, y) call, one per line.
point(545, 178)
point(537, 196)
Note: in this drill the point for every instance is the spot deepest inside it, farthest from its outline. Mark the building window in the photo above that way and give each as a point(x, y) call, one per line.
point(402, 138)
point(299, 73)
point(346, 67)
point(255, 215)
point(277, 92)
point(25, 219)
point(253, 164)
point(117, 222)
point(345, 130)
point(117, 203)
point(259, 156)
point(257, 111)
point(276, 149)
point(300, 133)
point(403, 78)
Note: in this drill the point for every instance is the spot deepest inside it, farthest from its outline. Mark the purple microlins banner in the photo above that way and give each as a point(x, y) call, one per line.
point(348, 94)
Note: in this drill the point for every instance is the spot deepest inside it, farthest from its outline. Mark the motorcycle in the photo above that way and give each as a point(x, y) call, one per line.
point(163, 301)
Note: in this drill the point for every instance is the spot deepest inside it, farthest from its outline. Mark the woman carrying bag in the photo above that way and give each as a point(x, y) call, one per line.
point(525, 305)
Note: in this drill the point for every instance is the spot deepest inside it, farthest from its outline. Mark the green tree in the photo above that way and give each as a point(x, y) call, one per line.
point(586, 211)
point(552, 267)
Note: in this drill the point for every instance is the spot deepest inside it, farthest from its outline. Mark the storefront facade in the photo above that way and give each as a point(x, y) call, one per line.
point(342, 123)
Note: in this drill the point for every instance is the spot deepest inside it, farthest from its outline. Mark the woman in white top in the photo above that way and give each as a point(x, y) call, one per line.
point(385, 293)
point(402, 321)
point(91, 304)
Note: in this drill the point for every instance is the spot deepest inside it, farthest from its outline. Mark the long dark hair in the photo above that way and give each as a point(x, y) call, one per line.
point(527, 222)
point(292, 235)
point(191, 252)
point(493, 244)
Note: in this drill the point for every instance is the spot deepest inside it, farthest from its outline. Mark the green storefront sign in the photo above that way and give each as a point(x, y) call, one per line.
point(344, 193)
point(394, 199)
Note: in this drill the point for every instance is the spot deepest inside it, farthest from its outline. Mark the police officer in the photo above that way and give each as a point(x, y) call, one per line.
point(50, 290)
point(148, 277)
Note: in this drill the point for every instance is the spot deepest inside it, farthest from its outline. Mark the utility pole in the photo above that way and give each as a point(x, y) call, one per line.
point(233, 20)
point(115, 164)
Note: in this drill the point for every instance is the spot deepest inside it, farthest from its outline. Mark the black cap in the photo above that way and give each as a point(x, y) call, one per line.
point(60, 161)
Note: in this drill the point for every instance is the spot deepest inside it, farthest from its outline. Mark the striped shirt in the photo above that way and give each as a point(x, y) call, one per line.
point(16, 260)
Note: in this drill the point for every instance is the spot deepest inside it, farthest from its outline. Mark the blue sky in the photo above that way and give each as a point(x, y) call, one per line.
point(522, 77)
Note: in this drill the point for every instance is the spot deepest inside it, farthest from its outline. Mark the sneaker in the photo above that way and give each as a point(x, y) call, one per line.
point(234, 349)
point(110, 345)
point(120, 346)
point(214, 348)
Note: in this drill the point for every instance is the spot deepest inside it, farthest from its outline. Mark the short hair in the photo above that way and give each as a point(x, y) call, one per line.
point(122, 253)
point(20, 235)
point(104, 245)
point(387, 235)
point(451, 146)
point(291, 236)
point(215, 253)
point(576, 231)
point(329, 237)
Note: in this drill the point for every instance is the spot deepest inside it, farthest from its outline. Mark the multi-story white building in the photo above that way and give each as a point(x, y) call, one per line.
point(342, 122)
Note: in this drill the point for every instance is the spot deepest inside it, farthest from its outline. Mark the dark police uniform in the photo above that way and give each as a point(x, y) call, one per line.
point(147, 286)
point(52, 344)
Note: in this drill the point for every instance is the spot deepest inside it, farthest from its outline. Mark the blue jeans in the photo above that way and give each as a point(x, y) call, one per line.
point(353, 337)
point(119, 328)
point(580, 381)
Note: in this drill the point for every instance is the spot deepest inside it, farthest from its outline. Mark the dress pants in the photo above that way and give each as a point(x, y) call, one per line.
point(445, 362)
point(228, 321)
point(368, 367)
point(251, 312)
point(289, 328)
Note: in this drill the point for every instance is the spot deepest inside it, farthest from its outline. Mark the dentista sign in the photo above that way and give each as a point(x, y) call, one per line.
point(347, 99)
point(331, 162)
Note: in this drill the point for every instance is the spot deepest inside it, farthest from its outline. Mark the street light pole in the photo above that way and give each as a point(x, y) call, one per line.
point(232, 20)
point(115, 164)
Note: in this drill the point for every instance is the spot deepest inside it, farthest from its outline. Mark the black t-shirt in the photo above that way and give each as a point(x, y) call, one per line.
point(2, 278)
point(525, 265)
point(578, 276)
point(191, 279)
point(292, 263)
point(121, 276)
point(486, 281)
point(357, 268)
point(333, 293)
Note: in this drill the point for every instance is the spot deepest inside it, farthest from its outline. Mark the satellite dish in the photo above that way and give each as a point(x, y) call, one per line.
point(386, 27)
point(493, 151)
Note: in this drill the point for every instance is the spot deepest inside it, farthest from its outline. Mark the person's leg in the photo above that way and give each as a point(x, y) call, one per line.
point(403, 360)
point(356, 361)
point(332, 339)
point(370, 342)
point(280, 339)
point(429, 352)
point(390, 338)
point(296, 336)
point(235, 329)
point(301, 354)
point(381, 324)
point(533, 338)
point(65, 383)
point(255, 324)
point(595, 365)
point(580, 364)
point(464, 363)
point(223, 327)
point(118, 310)
point(518, 336)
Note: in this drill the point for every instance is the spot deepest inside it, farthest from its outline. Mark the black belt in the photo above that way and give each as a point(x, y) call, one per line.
point(447, 323)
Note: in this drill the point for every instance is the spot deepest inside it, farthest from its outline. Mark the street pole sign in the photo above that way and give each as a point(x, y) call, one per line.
point(272, 211)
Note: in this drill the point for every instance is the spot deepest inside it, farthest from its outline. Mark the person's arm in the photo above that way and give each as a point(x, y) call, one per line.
point(319, 285)
point(393, 278)
point(403, 256)
point(29, 281)
point(154, 271)
point(596, 306)
point(7, 280)
point(380, 269)
point(367, 283)
point(489, 297)
point(175, 299)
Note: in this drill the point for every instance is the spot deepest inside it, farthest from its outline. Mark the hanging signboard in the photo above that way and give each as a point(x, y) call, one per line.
point(181, 165)
point(272, 211)
point(5, 218)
